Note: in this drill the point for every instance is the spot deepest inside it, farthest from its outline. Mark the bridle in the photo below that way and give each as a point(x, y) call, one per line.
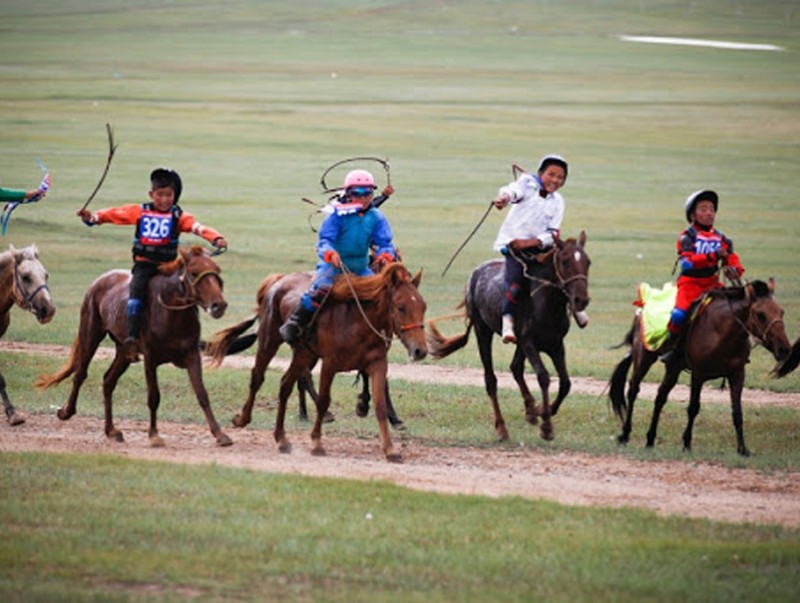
point(24, 299)
point(191, 288)
point(397, 326)
point(560, 283)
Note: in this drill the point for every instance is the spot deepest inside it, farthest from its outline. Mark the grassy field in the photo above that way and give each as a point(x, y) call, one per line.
point(251, 101)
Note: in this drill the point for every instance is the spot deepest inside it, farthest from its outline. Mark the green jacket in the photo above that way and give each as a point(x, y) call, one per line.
point(11, 194)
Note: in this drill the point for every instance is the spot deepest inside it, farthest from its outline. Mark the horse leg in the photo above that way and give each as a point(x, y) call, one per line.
point(323, 402)
point(195, 370)
point(263, 358)
point(87, 346)
point(11, 413)
point(671, 374)
point(484, 335)
point(153, 401)
point(118, 367)
point(692, 411)
point(518, 372)
point(306, 385)
point(543, 377)
point(564, 382)
point(379, 387)
point(290, 377)
point(362, 406)
point(394, 420)
point(641, 365)
point(736, 383)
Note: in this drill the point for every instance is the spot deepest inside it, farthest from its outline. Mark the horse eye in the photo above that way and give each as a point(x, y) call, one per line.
point(761, 316)
point(26, 278)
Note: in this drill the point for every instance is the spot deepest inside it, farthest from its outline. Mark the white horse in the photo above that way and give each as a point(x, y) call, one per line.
point(23, 281)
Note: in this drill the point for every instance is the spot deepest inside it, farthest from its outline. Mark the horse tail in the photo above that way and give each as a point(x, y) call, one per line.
point(616, 391)
point(440, 346)
point(46, 381)
point(227, 341)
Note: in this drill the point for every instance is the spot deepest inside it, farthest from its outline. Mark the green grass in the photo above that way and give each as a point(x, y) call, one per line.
point(136, 530)
point(250, 102)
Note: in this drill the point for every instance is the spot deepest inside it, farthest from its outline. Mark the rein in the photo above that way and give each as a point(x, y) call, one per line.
point(760, 339)
point(27, 299)
point(397, 327)
point(560, 283)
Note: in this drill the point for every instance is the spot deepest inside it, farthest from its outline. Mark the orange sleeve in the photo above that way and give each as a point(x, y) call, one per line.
point(187, 223)
point(122, 215)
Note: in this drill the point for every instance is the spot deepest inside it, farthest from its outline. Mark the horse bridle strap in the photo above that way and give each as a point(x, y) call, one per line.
point(762, 338)
point(26, 298)
point(191, 300)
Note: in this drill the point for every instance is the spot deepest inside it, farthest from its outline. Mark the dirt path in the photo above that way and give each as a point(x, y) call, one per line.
point(695, 489)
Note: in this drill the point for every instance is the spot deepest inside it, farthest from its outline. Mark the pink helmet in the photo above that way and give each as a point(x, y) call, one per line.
point(359, 178)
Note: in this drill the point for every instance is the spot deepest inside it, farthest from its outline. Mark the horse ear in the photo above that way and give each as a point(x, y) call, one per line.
point(417, 279)
point(582, 238)
point(558, 242)
point(771, 285)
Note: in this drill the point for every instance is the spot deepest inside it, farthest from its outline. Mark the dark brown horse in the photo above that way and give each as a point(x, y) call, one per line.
point(560, 288)
point(347, 335)
point(170, 333)
point(716, 344)
point(288, 288)
point(23, 281)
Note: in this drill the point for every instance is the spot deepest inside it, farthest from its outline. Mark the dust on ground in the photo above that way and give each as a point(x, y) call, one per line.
point(685, 488)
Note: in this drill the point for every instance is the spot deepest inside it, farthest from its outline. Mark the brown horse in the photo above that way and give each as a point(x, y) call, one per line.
point(170, 333)
point(23, 281)
point(352, 331)
point(288, 289)
point(716, 344)
point(560, 288)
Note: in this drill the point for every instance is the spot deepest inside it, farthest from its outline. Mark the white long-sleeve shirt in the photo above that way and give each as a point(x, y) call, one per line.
point(530, 215)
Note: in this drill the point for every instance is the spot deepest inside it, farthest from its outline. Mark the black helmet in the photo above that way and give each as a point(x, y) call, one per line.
point(553, 160)
point(695, 198)
point(163, 177)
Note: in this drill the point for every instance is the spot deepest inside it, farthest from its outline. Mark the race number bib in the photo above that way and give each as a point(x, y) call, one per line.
point(155, 229)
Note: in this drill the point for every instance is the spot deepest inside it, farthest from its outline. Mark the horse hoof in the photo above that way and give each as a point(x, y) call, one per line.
point(63, 414)
point(238, 421)
point(15, 419)
point(547, 434)
point(318, 451)
point(115, 435)
point(362, 410)
point(502, 435)
point(398, 425)
point(394, 457)
point(157, 442)
point(224, 440)
point(532, 418)
point(328, 418)
point(284, 447)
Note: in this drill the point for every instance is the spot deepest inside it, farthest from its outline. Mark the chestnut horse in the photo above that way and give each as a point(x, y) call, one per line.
point(560, 289)
point(352, 331)
point(23, 281)
point(170, 333)
point(716, 344)
point(288, 288)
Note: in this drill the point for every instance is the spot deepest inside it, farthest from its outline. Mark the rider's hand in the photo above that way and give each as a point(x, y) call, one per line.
point(334, 259)
point(501, 201)
point(388, 190)
point(85, 215)
point(220, 243)
point(722, 253)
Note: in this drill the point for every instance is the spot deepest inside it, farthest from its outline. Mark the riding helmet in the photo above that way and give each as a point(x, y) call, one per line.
point(553, 160)
point(167, 177)
point(696, 197)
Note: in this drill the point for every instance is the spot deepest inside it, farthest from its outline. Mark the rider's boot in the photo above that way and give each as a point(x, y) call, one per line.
point(296, 324)
point(130, 347)
point(508, 329)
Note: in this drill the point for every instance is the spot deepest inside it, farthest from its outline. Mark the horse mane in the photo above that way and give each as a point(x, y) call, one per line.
point(168, 268)
point(265, 285)
point(31, 252)
point(760, 289)
point(368, 288)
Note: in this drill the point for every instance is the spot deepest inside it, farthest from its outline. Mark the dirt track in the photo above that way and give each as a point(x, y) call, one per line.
point(695, 489)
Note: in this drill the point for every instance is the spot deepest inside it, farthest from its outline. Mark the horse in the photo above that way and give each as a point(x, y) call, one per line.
point(351, 331)
point(23, 281)
point(561, 288)
point(715, 344)
point(288, 288)
point(170, 333)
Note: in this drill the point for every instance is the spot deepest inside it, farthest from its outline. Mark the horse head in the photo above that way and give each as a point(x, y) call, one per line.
point(200, 278)
point(30, 288)
point(407, 309)
point(571, 265)
point(765, 319)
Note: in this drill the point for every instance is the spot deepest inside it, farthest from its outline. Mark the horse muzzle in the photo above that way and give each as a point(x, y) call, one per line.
point(217, 309)
point(44, 312)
